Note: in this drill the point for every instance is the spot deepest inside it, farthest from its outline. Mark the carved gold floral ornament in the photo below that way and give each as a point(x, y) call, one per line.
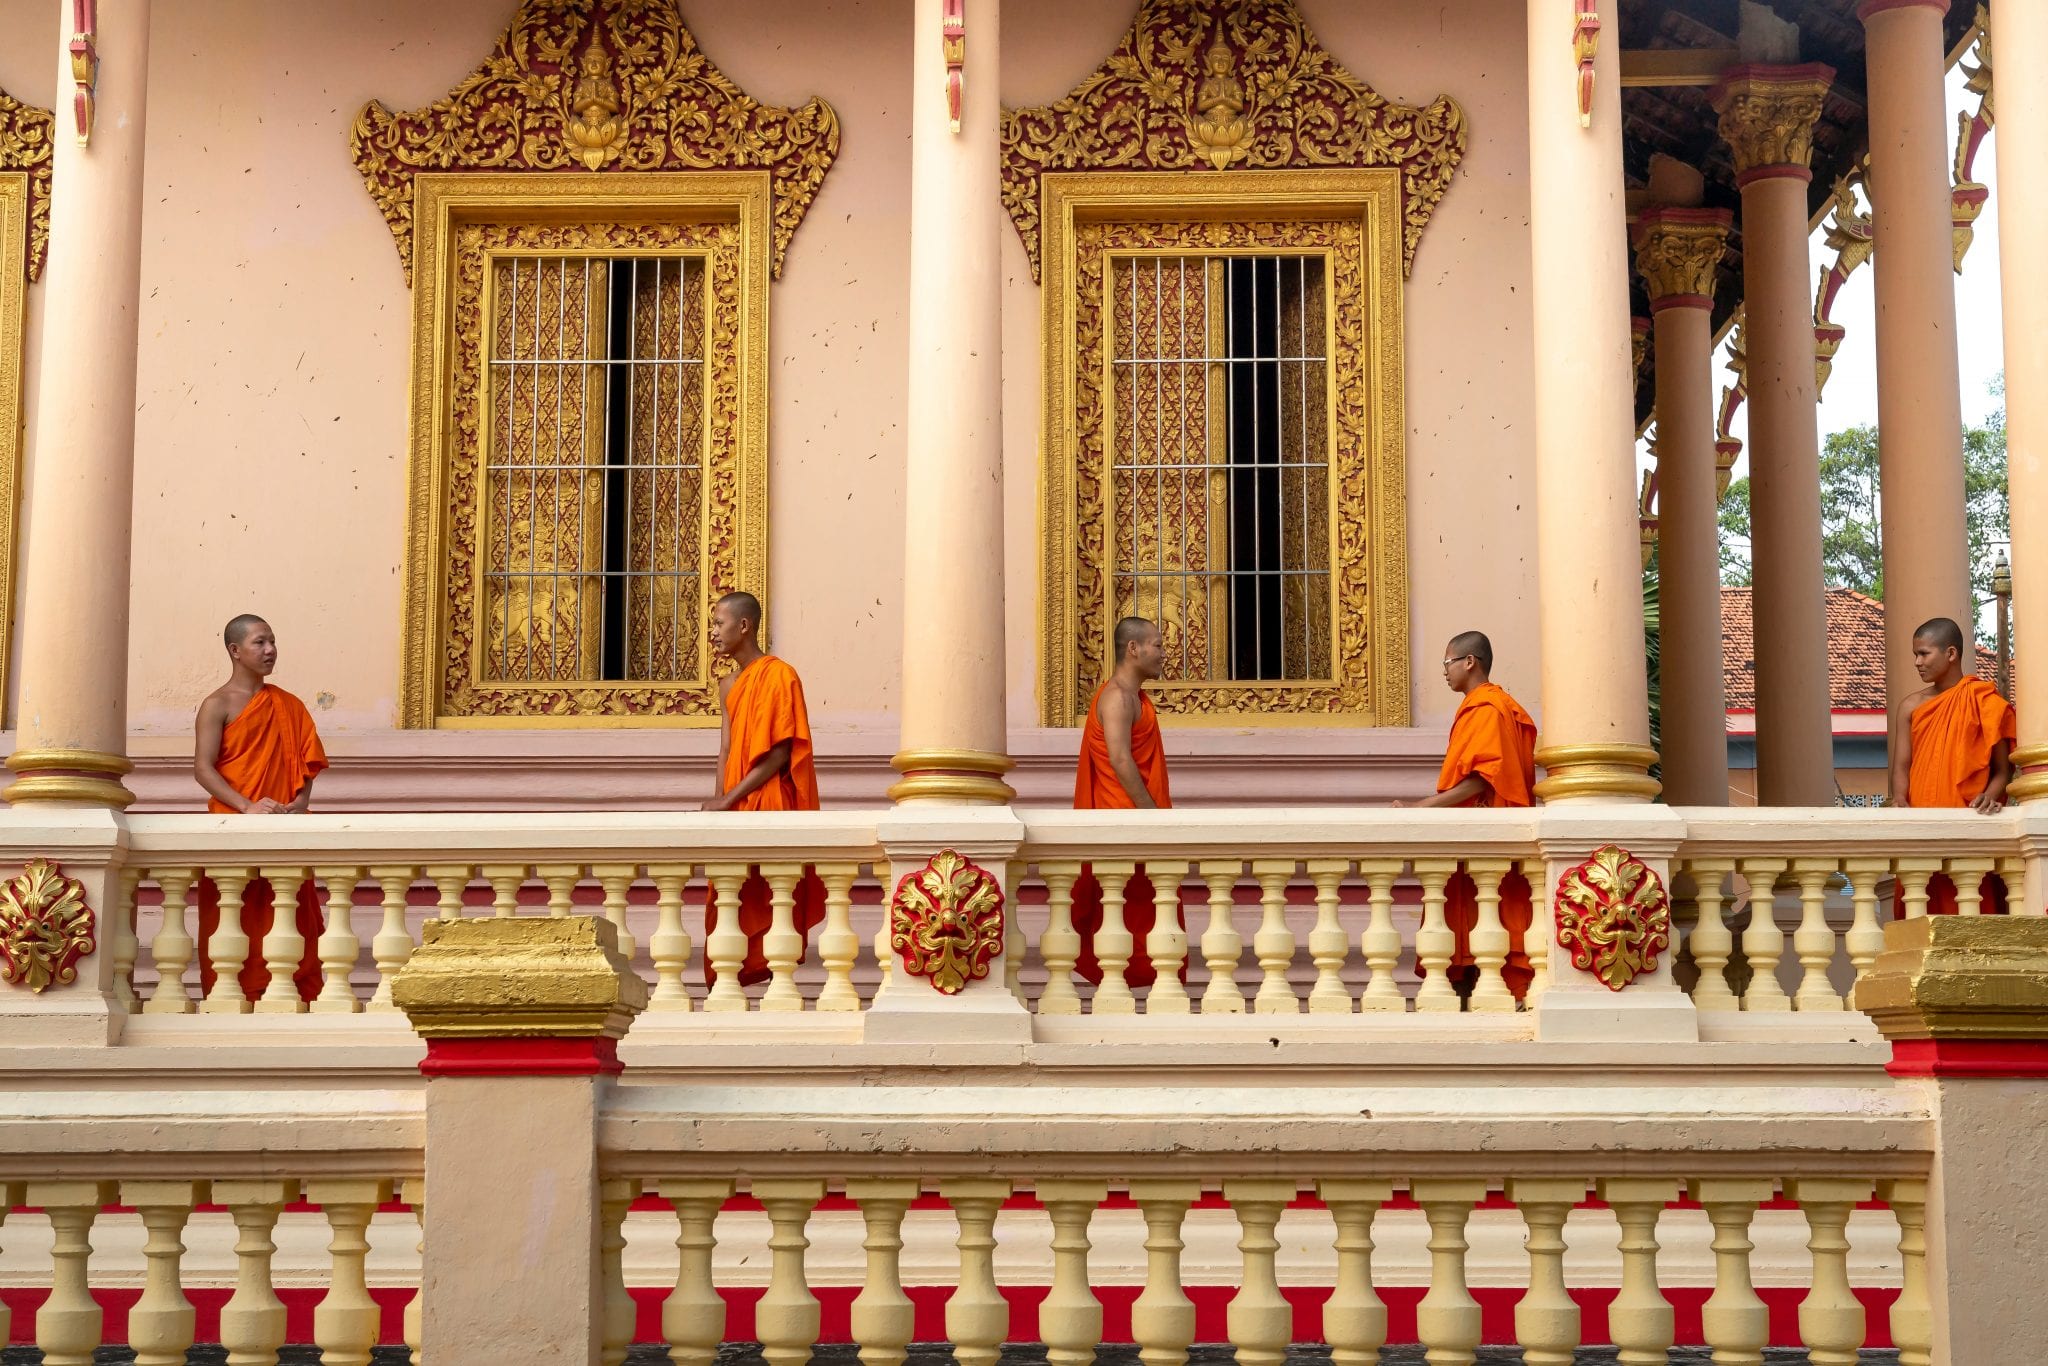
point(25, 133)
point(1613, 916)
point(45, 927)
point(946, 921)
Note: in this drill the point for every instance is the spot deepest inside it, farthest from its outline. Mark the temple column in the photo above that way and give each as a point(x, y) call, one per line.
point(2023, 291)
point(71, 734)
point(1767, 117)
point(953, 745)
point(1678, 253)
point(1596, 722)
point(1919, 388)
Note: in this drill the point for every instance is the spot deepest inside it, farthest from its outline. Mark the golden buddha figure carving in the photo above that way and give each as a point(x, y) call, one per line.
point(596, 129)
point(1220, 126)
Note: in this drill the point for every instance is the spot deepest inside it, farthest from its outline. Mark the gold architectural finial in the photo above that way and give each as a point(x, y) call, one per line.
point(1219, 125)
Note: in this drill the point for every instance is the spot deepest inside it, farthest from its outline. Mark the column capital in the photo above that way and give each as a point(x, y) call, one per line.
point(1868, 8)
point(1767, 118)
point(1678, 252)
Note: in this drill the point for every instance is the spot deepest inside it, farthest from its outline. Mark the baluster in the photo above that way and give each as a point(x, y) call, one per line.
point(1640, 1320)
point(1536, 944)
point(1547, 1319)
point(1913, 877)
point(1070, 1318)
point(782, 945)
point(1113, 942)
point(338, 945)
point(1163, 1317)
point(391, 946)
point(11, 1194)
point(838, 945)
point(1447, 1318)
point(1273, 942)
point(1059, 948)
point(252, 1325)
point(1968, 875)
point(1763, 943)
point(1711, 943)
point(1435, 941)
point(883, 1319)
point(726, 946)
point(160, 1325)
point(1814, 940)
point(345, 1321)
point(615, 1196)
point(172, 948)
point(414, 1193)
point(1260, 1320)
point(669, 946)
point(450, 881)
point(2013, 873)
point(1913, 1311)
point(693, 1316)
point(1832, 1321)
point(787, 1316)
point(560, 879)
point(1327, 945)
point(885, 951)
point(69, 1323)
point(1167, 944)
point(126, 947)
point(978, 1317)
point(1736, 1322)
point(1354, 1317)
point(1865, 939)
point(1489, 937)
point(1381, 940)
point(617, 881)
point(1222, 945)
point(506, 879)
point(229, 947)
point(1013, 931)
point(284, 948)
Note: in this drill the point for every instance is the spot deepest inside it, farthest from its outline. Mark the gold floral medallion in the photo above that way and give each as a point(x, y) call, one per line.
point(1613, 916)
point(946, 921)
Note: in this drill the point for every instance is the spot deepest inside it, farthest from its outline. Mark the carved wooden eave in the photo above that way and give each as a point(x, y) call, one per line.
point(25, 133)
point(597, 86)
point(1214, 84)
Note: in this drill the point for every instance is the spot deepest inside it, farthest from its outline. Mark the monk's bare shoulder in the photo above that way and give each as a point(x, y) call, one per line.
point(1912, 702)
point(216, 705)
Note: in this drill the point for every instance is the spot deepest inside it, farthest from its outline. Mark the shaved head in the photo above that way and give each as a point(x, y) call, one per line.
point(1472, 643)
point(745, 606)
point(237, 631)
point(1942, 633)
point(1130, 631)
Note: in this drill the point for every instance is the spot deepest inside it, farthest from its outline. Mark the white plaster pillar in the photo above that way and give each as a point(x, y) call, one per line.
point(1767, 117)
point(71, 727)
point(1596, 724)
point(1919, 387)
point(953, 744)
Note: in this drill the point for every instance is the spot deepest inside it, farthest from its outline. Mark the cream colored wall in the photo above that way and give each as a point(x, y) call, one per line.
point(272, 432)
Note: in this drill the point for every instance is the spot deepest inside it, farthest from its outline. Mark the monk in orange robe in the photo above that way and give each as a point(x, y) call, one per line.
point(1122, 767)
point(764, 764)
point(257, 753)
point(1490, 761)
point(1951, 747)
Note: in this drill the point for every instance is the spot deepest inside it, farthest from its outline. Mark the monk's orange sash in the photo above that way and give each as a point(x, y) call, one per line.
point(271, 750)
point(1492, 736)
point(764, 707)
point(1954, 734)
point(1096, 786)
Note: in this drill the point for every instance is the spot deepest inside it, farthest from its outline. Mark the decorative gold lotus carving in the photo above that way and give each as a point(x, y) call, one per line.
point(1613, 916)
point(589, 85)
point(25, 133)
point(946, 921)
point(1228, 83)
point(45, 927)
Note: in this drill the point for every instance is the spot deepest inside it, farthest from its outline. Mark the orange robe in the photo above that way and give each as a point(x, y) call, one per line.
point(1491, 736)
point(764, 707)
point(272, 749)
point(1954, 735)
point(1097, 788)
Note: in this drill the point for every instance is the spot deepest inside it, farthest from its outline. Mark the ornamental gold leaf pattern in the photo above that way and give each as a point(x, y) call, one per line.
point(1679, 259)
point(45, 927)
point(1769, 121)
point(946, 922)
point(1214, 84)
point(591, 86)
point(25, 133)
point(1613, 916)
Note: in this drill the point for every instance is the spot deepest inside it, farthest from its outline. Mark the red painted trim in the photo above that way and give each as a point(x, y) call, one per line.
point(1666, 213)
point(520, 1057)
point(1782, 171)
point(1969, 1058)
point(1870, 7)
point(1699, 301)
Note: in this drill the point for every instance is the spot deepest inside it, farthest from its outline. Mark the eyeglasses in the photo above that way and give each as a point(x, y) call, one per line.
point(1454, 659)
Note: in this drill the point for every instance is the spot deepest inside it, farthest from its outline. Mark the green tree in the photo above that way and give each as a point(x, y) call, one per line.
point(1851, 527)
point(1734, 518)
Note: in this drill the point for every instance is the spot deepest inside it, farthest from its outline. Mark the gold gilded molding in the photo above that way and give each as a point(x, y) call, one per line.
point(17, 211)
point(45, 927)
point(1959, 977)
point(963, 775)
point(2029, 785)
point(1768, 114)
point(25, 133)
point(589, 85)
point(1615, 771)
point(1219, 84)
point(946, 922)
point(719, 218)
point(1613, 917)
point(1680, 253)
point(1349, 218)
point(520, 977)
point(82, 776)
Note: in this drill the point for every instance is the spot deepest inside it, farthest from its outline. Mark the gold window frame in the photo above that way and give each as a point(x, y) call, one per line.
point(735, 486)
point(1368, 535)
point(14, 230)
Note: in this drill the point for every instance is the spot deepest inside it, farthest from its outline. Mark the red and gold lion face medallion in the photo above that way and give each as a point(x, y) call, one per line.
point(45, 927)
point(1613, 916)
point(946, 921)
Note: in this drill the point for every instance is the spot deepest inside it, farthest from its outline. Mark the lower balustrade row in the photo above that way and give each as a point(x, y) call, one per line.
point(1071, 1262)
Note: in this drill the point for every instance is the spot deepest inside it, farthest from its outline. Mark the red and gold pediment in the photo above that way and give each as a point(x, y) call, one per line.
point(597, 86)
point(25, 145)
point(1228, 84)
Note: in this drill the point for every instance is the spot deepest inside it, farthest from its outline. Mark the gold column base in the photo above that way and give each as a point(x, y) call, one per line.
point(80, 776)
point(966, 777)
point(1595, 772)
point(2025, 786)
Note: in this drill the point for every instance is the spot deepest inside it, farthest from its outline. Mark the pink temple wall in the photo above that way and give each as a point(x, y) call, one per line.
point(272, 440)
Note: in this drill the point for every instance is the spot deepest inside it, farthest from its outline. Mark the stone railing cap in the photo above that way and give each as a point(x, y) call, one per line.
point(519, 977)
point(1960, 977)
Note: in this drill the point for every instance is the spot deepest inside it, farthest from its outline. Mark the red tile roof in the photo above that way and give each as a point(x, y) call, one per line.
point(1855, 651)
